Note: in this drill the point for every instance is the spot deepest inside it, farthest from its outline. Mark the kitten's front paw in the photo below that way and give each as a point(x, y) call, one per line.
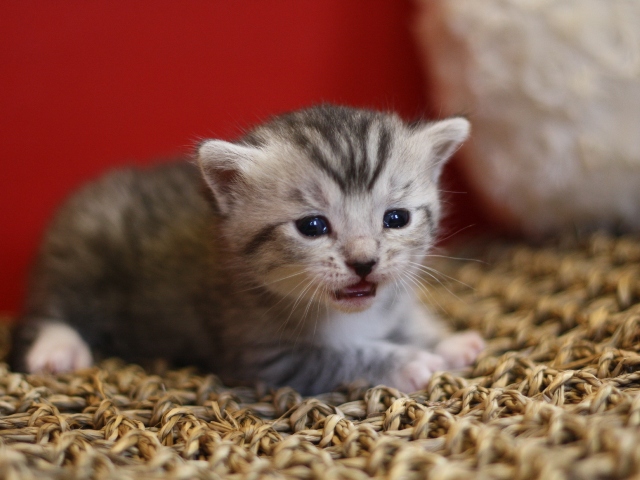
point(58, 349)
point(461, 349)
point(415, 374)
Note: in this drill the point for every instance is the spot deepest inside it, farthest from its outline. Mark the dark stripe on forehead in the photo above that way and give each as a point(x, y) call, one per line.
point(364, 166)
point(353, 163)
point(265, 235)
point(318, 159)
point(384, 148)
point(336, 139)
point(328, 130)
point(314, 192)
point(297, 196)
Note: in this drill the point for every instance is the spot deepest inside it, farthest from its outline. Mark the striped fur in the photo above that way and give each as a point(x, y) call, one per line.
point(142, 264)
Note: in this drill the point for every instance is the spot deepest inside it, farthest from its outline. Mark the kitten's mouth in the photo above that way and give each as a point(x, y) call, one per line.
point(362, 289)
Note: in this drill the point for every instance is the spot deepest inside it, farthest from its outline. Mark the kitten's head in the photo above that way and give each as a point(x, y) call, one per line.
point(331, 204)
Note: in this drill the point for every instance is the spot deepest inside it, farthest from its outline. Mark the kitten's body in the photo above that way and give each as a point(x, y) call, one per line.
point(144, 264)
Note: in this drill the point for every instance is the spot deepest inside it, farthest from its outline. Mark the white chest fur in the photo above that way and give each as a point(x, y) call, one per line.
point(375, 323)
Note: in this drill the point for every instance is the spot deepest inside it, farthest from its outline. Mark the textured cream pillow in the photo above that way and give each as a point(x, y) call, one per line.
point(553, 92)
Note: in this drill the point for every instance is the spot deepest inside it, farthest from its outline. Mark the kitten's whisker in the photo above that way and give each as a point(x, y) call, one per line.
point(299, 298)
point(264, 284)
point(421, 287)
point(449, 257)
point(456, 232)
point(315, 323)
point(284, 324)
point(453, 279)
point(451, 191)
point(414, 275)
point(397, 291)
point(301, 320)
point(306, 310)
point(429, 270)
point(404, 284)
point(417, 280)
point(286, 296)
point(440, 282)
point(425, 290)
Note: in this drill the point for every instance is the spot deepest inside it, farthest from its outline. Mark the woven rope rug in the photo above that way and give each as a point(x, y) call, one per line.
point(556, 395)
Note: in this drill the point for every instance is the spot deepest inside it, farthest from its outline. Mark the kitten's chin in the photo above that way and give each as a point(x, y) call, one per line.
point(355, 298)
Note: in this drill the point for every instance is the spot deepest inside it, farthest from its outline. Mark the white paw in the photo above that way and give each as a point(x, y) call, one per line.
point(58, 349)
point(415, 374)
point(461, 349)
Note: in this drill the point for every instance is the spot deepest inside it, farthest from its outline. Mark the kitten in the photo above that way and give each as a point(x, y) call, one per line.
point(289, 264)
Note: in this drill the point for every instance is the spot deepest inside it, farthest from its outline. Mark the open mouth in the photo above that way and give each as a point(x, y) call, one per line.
point(361, 289)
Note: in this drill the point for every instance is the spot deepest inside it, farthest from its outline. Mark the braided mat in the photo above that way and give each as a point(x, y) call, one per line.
point(555, 396)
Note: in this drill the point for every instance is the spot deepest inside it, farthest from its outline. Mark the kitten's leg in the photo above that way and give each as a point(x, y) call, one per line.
point(421, 327)
point(426, 330)
point(460, 349)
point(416, 373)
point(49, 346)
point(313, 369)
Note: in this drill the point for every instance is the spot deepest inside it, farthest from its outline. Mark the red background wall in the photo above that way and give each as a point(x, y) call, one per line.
point(85, 86)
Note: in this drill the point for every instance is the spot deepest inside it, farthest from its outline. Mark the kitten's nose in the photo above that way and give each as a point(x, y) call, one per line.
point(362, 269)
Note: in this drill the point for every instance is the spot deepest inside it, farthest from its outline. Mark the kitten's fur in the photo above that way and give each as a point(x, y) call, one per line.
point(142, 264)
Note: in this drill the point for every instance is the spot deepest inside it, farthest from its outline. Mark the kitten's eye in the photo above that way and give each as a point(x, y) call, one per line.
point(313, 226)
point(395, 218)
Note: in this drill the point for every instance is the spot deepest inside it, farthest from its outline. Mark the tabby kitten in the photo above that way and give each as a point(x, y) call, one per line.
point(289, 264)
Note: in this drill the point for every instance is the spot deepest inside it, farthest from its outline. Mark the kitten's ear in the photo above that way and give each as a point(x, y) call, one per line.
point(223, 165)
point(444, 138)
